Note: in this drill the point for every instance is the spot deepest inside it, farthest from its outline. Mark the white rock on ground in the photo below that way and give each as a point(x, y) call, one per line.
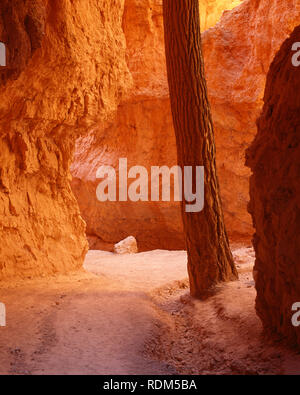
point(127, 246)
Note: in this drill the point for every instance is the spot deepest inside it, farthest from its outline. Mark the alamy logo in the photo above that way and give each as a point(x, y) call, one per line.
point(2, 314)
point(2, 55)
point(296, 56)
point(160, 180)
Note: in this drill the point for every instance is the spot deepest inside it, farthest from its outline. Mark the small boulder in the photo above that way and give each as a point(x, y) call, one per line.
point(127, 246)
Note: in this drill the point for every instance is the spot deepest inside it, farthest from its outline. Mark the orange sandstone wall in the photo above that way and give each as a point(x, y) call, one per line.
point(66, 73)
point(274, 158)
point(238, 52)
point(141, 131)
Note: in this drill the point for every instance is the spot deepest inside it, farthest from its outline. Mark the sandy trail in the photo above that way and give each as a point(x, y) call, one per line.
point(87, 323)
point(132, 315)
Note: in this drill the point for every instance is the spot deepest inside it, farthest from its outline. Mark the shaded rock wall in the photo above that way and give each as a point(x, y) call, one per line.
point(66, 72)
point(22, 27)
point(238, 52)
point(274, 158)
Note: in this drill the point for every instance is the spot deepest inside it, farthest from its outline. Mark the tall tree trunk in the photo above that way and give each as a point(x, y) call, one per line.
point(209, 257)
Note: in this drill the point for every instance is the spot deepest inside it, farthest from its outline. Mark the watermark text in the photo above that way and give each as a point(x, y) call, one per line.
point(296, 316)
point(2, 55)
point(296, 56)
point(2, 314)
point(188, 183)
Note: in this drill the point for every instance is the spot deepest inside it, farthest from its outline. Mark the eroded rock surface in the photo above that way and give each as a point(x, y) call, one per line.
point(66, 72)
point(238, 52)
point(142, 131)
point(274, 158)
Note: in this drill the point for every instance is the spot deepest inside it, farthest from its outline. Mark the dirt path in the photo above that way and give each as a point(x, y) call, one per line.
point(125, 314)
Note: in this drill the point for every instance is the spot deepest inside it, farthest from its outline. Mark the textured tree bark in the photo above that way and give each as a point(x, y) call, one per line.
point(209, 257)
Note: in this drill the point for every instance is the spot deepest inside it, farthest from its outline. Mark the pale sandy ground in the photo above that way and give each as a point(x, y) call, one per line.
point(132, 315)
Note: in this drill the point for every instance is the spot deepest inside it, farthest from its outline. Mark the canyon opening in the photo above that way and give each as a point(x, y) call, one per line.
point(149, 193)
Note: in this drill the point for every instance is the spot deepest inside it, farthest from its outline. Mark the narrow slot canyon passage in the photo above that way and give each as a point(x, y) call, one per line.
point(137, 285)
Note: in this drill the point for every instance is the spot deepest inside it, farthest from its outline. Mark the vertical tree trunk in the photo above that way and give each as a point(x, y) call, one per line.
point(209, 257)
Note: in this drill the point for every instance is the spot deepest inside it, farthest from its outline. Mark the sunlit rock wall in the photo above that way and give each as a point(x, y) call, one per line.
point(66, 73)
